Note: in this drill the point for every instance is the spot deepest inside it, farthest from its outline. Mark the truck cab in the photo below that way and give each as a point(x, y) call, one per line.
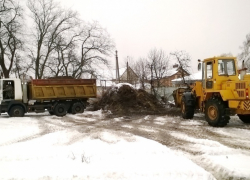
point(10, 89)
point(11, 95)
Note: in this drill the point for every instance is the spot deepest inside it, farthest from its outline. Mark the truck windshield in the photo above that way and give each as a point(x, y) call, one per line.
point(226, 67)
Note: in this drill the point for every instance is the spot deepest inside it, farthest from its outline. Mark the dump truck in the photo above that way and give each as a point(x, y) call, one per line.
point(220, 93)
point(57, 96)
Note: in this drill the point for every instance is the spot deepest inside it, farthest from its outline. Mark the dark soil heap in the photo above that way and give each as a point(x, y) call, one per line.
point(124, 99)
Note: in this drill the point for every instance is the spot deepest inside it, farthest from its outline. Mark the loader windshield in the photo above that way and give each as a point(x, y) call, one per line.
point(226, 67)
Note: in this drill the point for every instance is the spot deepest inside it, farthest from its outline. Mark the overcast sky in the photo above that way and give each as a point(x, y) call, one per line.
point(203, 28)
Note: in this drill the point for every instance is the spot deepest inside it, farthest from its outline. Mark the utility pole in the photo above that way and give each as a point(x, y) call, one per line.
point(127, 73)
point(151, 82)
point(117, 66)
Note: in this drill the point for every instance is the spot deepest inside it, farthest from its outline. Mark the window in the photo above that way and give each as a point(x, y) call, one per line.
point(226, 67)
point(209, 70)
point(8, 89)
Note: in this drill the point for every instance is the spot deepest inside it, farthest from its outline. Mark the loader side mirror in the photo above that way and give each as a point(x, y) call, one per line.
point(199, 64)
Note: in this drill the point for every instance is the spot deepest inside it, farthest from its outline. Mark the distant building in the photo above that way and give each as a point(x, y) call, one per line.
point(172, 74)
point(127, 76)
point(190, 79)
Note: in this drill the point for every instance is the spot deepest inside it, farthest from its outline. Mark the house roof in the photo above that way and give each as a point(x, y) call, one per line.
point(192, 77)
point(171, 72)
point(121, 71)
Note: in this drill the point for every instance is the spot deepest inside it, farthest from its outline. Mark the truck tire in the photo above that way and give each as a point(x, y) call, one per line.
point(60, 109)
point(244, 118)
point(215, 113)
point(187, 108)
point(77, 107)
point(16, 111)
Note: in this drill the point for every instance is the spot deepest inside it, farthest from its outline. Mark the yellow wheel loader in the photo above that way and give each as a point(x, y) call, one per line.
point(219, 94)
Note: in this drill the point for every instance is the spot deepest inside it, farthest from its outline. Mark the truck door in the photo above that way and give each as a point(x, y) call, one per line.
point(8, 91)
point(209, 75)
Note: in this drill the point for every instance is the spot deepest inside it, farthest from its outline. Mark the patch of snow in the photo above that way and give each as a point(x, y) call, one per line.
point(119, 85)
point(231, 162)
point(147, 129)
point(97, 113)
point(191, 123)
point(160, 120)
point(17, 128)
point(104, 157)
point(127, 126)
point(148, 117)
point(50, 147)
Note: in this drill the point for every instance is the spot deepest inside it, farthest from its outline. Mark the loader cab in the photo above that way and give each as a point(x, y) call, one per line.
point(217, 70)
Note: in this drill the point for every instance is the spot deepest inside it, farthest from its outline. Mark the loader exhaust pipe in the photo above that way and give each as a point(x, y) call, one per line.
point(243, 70)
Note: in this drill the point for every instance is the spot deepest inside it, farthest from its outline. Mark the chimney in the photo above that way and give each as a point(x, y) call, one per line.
point(175, 66)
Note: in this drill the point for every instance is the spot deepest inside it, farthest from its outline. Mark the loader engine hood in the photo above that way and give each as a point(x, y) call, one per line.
point(239, 89)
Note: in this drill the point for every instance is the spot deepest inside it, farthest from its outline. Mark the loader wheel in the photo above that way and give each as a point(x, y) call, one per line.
point(60, 110)
point(77, 108)
point(187, 111)
point(215, 113)
point(16, 111)
point(244, 118)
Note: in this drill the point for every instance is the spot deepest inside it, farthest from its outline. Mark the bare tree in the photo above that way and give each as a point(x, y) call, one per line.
point(96, 46)
point(183, 60)
point(81, 52)
point(227, 54)
point(158, 63)
point(245, 52)
point(63, 56)
point(21, 67)
point(142, 70)
point(10, 28)
point(51, 21)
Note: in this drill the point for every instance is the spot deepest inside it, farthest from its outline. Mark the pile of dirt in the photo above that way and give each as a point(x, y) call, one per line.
point(124, 99)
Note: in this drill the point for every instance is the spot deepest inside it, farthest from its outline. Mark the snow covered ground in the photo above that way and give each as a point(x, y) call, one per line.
point(89, 146)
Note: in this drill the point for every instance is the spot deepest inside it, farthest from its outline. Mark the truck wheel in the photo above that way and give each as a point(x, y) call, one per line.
point(77, 108)
point(60, 110)
point(244, 118)
point(16, 111)
point(187, 111)
point(215, 113)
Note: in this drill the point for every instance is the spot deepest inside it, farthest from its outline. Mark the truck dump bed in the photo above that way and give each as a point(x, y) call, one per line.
point(53, 89)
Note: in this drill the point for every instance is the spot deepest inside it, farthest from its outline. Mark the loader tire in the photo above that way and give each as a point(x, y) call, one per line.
point(215, 113)
point(244, 118)
point(187, 109)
